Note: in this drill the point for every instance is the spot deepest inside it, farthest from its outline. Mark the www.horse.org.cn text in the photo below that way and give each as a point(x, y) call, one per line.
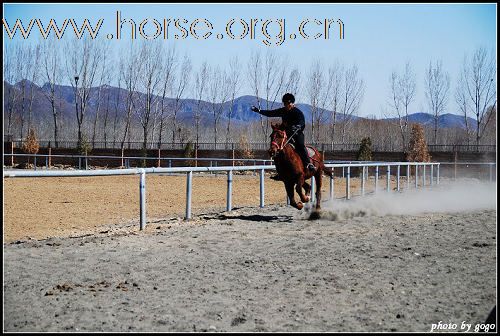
point(270, 31)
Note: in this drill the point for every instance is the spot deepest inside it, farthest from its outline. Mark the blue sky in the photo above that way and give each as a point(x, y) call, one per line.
point(378, 38)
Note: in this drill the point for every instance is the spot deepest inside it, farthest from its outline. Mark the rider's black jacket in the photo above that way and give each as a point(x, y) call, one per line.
point(291, 118)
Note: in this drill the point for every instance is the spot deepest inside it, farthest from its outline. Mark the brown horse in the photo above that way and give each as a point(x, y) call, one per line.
point(291, 169)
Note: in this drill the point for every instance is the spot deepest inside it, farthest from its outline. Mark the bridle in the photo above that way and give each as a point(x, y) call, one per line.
point(284, 141)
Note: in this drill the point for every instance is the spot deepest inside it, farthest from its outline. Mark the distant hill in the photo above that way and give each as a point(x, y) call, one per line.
point(447, 120)
point(65, 103)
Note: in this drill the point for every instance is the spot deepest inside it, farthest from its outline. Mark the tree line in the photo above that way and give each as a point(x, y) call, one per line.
point(153, 81)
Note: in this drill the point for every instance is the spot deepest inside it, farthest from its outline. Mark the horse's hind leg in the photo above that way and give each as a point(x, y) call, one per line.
point(317, 178)
point(307, 188)
point(291, 196)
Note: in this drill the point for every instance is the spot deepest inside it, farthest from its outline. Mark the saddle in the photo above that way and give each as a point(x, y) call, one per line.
point(310, 151)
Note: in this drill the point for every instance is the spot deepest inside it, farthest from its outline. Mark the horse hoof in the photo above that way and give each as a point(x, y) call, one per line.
point(299, 206)
point(307, 199)
point(314, 215)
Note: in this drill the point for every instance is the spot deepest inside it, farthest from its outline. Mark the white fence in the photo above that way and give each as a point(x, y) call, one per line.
point(380, 168)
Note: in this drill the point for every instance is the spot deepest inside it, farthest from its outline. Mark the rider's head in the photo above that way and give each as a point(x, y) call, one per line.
point(288, 101)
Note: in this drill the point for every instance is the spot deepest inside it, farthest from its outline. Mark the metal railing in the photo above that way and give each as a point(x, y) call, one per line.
point(434, 173)
point(323, 146)
point(125, 161)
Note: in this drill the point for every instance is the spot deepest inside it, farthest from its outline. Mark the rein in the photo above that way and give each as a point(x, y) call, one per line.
point(283, 142)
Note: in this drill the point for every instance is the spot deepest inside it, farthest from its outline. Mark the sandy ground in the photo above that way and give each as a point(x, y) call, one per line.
point(45, 207)
point(253, 269)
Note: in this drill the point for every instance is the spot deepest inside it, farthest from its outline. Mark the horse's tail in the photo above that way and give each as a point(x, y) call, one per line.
point(327, 171)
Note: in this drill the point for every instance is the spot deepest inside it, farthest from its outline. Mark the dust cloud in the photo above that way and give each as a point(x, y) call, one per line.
point(449, 196)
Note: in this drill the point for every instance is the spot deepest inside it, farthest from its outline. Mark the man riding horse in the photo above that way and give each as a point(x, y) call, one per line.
point(294, 122)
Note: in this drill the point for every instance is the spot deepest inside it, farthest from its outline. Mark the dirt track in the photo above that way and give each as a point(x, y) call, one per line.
point(258, 270)
point(249, 269)
point(63, 206)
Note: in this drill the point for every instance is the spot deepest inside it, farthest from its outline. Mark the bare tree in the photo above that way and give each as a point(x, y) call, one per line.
point(437, 85)
point(480, 83)
point(293, 83)
point(83, 59)
point(180, 86)
point(463, 103)
point(24, 65)
point(218, 92)
point(352, 94)
point(51, 55)
point(149, 79)
point(255, 74)
point(200, 85)
point(104, 74)
point(35, 72)
point(117, 103)
point(10, 76)
point(108, 77)
point(314, 88)
point(234, 86)
point(335, 76)
point(167, 79)
point(268, 77)
point(130, 68)
point(403, 89)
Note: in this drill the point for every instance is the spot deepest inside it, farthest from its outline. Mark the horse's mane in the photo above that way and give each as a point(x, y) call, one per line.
point(281, 126)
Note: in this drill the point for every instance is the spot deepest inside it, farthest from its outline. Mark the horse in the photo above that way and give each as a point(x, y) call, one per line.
point(291, 169)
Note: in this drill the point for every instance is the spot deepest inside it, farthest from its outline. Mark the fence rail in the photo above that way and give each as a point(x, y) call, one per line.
point(432, 177)
point(332, 147)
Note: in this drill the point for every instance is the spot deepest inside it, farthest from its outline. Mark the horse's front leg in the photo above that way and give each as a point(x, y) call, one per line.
point(298, 188)
point(291, 196)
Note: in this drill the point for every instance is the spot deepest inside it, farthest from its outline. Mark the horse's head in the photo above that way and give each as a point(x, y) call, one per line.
point(278, 140)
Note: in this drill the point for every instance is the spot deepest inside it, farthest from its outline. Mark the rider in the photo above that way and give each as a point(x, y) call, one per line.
point(294, 121)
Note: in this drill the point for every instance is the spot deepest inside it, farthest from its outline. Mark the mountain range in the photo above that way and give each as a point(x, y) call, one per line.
point(65, 102)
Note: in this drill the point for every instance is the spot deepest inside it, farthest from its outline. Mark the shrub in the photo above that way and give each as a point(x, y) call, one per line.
point(83, 147)
point(31, 145)
point(365, 150)
point(417, 149)
point(189, 153)
point(244, 151)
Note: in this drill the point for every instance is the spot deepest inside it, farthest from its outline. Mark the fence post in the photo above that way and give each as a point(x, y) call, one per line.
point(348, 183)
point(388, 178)
point(397, 178)
point(408, 176)
point(363, 181)
point(456, 155)
point(331, 184)
point(12, 152)
point(437, 174)
point(376, 179)
point(50, 153)
point(416, 175)
point(159, 157)
point(188, 194)
point(232, 145)
point(229, 189)
point(123, 164)
point(432, 174)
point(142, 196)
point(423, 175)
point(34, 162)
point(262, 188)
point(491, 172)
